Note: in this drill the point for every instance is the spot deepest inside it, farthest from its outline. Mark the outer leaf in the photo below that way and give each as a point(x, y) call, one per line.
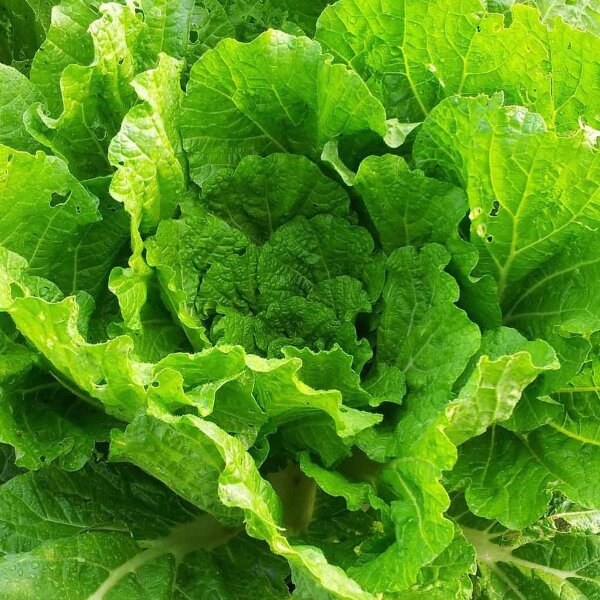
point(562, 564)
point(417, 53)
point(22, 30)
point(45, 215)
point(133, 539)
point(44, 423)
point(229, 477)
point(448, 576)
point(584, 14)
point(504, 200)
point(518, 190)
point(510, 476)
point(17, 94)
point(95, 98)
point(283, 95)
point(67, 42)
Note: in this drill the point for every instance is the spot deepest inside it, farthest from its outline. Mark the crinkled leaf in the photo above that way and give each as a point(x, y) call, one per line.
point(261, 194)
point(419, 319)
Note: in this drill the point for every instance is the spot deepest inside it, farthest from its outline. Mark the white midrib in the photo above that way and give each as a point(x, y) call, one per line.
point(491, 553)
point(205, 532)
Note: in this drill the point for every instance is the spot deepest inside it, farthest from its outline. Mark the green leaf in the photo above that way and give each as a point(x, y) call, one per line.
point(16, 359)
point(504, 199)
point(584, 15)
point(310, 418)
point(23, 26)
point(111, 530)
point(182, 251)
point(550, 567)
point(506, 364)
point(409, 209)
point(414, 55)
point(262, 194)
point(448, 576)
point(419, 319)
point(332, 369)
point(45, 217)
point(67, 42)
point(232, 486)
point(356, 495)
point(283, 95)
point(17, 94)
point(306, 252)
point(44, 423)
point(151, 176)
point(321, 270)
point(509, 477)
point(95, 97)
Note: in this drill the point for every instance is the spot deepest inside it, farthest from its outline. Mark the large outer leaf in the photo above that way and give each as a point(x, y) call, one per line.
point(46, 214)
point(279, 93)
point(516, 173)
point(17, 94)
point(112, 531)
point(413, 54)
point(230, 481)
point(503, 167)
point(544, 565)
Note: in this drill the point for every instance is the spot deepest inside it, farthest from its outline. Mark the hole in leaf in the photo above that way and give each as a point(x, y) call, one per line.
point(59, 199)
point(155, 384)
point(9, 157)
point(121, 60)
point(193, 36)
point(489, 239)
point(569, 46)
point(78, 210)
point(495, 208)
